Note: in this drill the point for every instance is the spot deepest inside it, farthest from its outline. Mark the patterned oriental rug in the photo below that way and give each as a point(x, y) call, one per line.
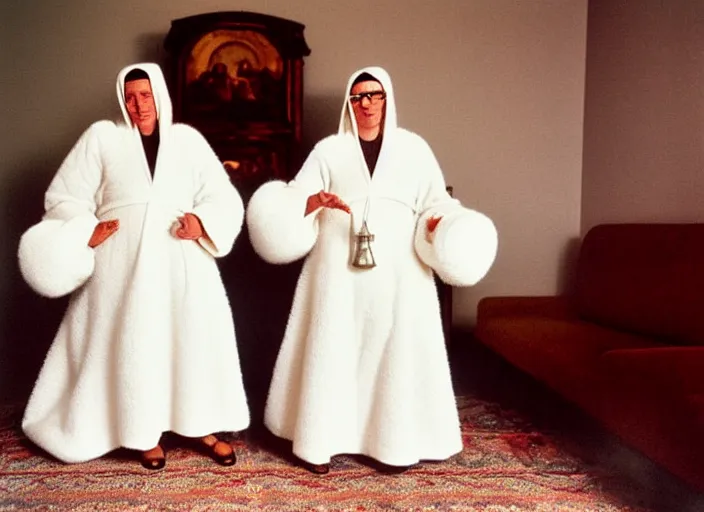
point(507, 465)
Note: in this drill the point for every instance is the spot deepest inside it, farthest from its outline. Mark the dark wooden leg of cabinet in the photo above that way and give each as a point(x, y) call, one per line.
point(445, 298)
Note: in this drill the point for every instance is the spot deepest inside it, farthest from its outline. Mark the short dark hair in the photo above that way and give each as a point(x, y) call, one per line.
point(136, 74)
point(365, 77)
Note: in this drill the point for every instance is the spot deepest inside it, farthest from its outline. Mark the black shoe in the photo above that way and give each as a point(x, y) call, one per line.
point(391, 470)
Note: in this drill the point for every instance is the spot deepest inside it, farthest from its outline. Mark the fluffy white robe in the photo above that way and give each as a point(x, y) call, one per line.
point(147, 344)
point(363, 368)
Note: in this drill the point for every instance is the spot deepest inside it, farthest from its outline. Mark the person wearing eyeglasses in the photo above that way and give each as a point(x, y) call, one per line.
point(363, 367)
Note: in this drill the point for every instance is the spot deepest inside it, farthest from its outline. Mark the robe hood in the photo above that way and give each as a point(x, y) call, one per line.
point(164, 109)
point(348, 122)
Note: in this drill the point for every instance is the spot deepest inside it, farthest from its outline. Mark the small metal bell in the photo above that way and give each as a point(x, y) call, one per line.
point(363, 257)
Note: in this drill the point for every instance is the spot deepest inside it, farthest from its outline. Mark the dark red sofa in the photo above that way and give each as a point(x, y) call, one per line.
point(627, 346)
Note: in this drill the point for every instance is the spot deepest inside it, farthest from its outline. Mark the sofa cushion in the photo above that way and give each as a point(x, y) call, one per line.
point(644, 278)
point(673, 370)
point(561, 353)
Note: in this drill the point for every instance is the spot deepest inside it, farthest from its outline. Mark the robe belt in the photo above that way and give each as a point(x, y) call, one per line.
point(170, 209)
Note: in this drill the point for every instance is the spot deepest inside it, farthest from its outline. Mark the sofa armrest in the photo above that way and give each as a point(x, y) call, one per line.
point(544, 306)
point(679, 369)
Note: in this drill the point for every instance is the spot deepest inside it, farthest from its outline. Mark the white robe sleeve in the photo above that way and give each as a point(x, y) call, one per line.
point(217, 204)
point(54, 256)
point(279, 230)
point(465, 241)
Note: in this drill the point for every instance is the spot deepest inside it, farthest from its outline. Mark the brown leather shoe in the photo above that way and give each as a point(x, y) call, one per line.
point(213, 447)
point(318, 469)
point(154, 458)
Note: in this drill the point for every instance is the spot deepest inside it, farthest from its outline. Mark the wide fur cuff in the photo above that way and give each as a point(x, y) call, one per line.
point(222, 222)
point(277, 227)
point(54, 256)
point(464, 245)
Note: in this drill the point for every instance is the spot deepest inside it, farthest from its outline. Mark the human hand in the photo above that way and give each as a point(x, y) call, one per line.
point(430, 225)
point(102, 231)
point(326, 200)
point(187, 227)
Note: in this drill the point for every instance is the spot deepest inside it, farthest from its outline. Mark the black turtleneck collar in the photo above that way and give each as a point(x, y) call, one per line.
point(371, 149)
point(151, 148)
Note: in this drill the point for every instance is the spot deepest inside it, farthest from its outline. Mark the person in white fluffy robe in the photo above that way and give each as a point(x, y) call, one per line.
point(147, 344)
point(363, 367)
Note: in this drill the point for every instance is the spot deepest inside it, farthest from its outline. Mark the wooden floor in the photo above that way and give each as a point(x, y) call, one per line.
point(478, 370)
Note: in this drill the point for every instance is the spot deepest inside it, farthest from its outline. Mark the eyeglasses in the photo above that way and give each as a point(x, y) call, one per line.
point(374, 97)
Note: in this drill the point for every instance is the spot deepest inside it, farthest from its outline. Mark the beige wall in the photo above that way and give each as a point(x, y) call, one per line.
point(495, 86)
point(644, 123)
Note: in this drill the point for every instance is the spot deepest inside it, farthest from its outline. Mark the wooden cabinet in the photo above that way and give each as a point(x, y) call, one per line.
point(237, 77)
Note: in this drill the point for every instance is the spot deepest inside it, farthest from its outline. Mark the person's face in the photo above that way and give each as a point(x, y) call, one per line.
point(368, 100)
point(140, 105)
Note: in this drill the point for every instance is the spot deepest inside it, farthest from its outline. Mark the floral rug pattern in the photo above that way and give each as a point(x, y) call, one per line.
point(507, 465)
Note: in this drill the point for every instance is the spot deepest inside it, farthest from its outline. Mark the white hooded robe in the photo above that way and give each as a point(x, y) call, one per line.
point(147, 344)
point(363, 367)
